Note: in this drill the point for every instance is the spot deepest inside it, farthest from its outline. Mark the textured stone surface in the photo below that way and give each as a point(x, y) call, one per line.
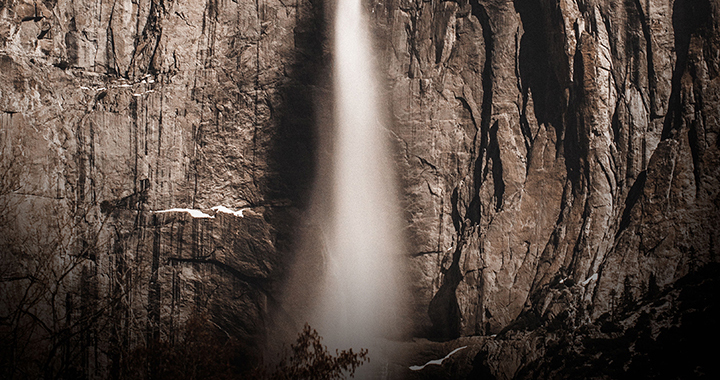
point(114, 110)
point(540, 139)
point(537, 142)
point(663, 335)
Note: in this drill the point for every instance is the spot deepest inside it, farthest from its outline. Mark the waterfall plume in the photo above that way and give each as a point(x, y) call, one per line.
point(359, 300)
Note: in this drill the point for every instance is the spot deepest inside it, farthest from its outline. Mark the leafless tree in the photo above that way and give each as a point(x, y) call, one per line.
point(50, 306)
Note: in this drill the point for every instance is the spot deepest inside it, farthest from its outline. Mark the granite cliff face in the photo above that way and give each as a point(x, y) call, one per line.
point(557, 158)
point(113, 111)
point(544, 142)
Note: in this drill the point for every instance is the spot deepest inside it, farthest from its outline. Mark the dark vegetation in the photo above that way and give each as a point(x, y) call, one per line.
point(671, 334)
point(309, 359)
point(205, 353)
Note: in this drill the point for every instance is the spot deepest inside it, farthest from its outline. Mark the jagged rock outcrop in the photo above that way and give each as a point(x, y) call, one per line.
point(663, 335)
point(542, 140)
point(555, 156)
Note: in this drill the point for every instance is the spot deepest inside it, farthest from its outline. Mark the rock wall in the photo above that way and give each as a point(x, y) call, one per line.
point(553, 155)
point(551, 141)
point(129, 121)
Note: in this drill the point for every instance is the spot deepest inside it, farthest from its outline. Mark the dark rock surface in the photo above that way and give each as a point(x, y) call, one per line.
point(112, 111)
point(557, 159)
point(666, 335)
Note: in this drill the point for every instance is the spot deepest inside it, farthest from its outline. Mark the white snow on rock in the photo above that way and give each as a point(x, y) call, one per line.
point(226, 210)
point(436, 361)
point(193, 212)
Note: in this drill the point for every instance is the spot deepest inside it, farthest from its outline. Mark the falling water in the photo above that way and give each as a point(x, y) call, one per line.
point(360, 297)
point(346, 280)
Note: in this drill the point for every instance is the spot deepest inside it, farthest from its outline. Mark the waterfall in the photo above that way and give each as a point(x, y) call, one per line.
point(346, 280)
point(360, 298)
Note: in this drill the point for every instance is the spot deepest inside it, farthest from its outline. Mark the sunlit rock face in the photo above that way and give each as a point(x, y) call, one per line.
point(551, 141)
point(554, 157)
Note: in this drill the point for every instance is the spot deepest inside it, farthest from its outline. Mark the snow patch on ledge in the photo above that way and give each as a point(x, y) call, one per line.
point(193, 212)
point(226, 210)
point(436, 361)
point(198, 214)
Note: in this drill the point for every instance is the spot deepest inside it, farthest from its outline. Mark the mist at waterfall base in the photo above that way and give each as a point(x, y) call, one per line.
point(360, 298)
point(347, 280)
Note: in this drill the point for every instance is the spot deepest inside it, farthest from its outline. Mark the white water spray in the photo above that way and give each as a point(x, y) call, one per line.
point(360, 299)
